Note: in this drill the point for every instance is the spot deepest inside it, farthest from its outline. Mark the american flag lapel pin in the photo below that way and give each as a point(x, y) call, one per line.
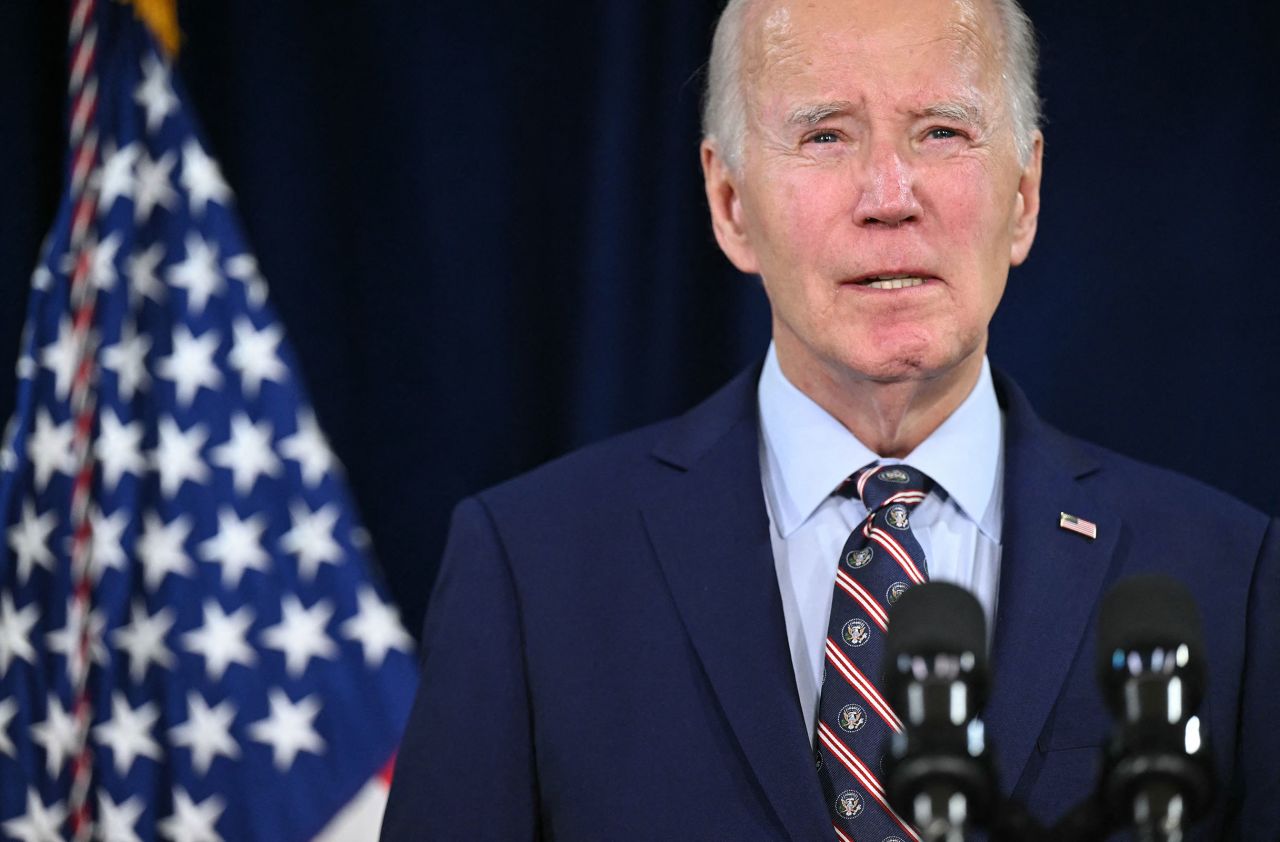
point(1079, 525)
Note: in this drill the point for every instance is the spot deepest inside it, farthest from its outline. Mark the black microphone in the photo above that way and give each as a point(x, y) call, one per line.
point(938, 774)
point(1157, 775)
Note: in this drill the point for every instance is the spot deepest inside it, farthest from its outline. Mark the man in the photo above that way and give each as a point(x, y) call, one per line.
point(631, 641)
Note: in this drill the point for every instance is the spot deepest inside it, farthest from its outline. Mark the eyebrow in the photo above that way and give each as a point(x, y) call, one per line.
point(963, 112)
point(809, 115)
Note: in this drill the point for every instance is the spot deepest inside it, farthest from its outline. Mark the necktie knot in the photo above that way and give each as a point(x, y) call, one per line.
point(879, 485)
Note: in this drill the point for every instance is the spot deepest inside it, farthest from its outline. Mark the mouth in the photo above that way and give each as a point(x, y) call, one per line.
point(893, 281)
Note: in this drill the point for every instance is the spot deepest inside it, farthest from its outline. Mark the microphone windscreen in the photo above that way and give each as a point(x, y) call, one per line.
point(934, 618)
point(1147, 612)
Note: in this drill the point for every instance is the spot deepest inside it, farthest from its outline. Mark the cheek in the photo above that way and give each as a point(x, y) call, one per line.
point(975, 221)
point(803, 218)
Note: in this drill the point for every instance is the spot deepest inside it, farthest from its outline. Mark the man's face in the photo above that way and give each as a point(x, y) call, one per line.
point(878, 145)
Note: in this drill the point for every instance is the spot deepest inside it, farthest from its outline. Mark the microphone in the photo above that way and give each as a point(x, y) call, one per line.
point(938, 774)
point(1157, 774)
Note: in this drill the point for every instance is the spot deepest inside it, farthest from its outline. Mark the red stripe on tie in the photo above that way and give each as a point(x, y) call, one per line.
point(864, 476)
point(899, 554)
point(850, 760)
point(860, 771)
point(841, 834)
point(850, 586)
point(863, 685)
point(905, 497)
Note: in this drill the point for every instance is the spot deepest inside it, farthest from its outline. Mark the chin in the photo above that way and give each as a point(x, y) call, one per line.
point(892, 361)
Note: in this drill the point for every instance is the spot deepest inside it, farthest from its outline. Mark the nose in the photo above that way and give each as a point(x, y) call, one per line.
point(888, 196)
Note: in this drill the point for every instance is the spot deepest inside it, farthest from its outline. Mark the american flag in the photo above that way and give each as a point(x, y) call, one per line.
point(192, 646)
point(1079, 525)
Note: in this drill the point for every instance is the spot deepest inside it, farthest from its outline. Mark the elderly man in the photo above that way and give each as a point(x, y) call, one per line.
point(656, 637)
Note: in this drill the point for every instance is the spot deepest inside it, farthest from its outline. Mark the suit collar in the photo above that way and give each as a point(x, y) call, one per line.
point(710, 532)
point(1050, 578)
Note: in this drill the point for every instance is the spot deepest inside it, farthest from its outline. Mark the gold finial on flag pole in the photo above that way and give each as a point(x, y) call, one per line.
point(161, 17)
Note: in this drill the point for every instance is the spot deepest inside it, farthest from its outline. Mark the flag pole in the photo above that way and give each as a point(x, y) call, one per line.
point(83, 145)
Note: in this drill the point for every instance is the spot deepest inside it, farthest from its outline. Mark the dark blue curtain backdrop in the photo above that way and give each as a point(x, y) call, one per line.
point(484, 228)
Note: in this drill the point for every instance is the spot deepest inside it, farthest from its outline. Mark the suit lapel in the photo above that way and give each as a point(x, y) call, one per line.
point(709, 530)
point(1050, 579)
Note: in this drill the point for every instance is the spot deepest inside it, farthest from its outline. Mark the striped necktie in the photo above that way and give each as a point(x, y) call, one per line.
point(879, 562)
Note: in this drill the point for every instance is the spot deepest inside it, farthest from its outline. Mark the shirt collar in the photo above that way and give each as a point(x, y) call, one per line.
point(808, 453)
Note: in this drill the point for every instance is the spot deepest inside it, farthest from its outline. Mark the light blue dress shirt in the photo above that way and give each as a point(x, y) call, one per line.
point(805, 454)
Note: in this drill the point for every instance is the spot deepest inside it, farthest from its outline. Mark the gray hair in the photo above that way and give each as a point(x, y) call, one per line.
point(724, 106)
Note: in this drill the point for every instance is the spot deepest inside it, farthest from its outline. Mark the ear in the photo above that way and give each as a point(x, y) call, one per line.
point(725, 202)
point(1027, 211)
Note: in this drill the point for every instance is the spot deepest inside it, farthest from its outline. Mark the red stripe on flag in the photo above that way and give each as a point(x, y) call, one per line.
point(388, 771)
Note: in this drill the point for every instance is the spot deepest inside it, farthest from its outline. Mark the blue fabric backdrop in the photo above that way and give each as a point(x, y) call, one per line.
point(484, 228)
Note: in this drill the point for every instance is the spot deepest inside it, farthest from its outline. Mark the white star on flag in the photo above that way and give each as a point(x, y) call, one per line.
point(15, 632)
point(61, 357)
point(49, 448)
point(144, 281)
point(244, 268)
point(221, 639)
point(300, 634)
point(29, 540)
point(155, 94)
point(8, 709)
point(190, 366)
point(116, 179)
point(108, 546)
point(376, 627)
point(66, 640)
point(288, 728)
point(39, 823)
point(307, 447)
point(102, 266)
point(192, 822)
point(57, 734)
point(177, 456)
point(128, 732)
point(237, 546)
point(143, 640)
point(119, 822)
point(198, 274)
point(202, 178)
point(25, 369)
point(207, 732)
point(253, 354)
point(127, 358)
point(118, 448)
point(311, 538)
point(247, 453)
point(154, 188)
point(160, 549)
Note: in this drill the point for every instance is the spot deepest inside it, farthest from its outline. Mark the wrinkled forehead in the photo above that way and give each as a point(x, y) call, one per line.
point(789, 38)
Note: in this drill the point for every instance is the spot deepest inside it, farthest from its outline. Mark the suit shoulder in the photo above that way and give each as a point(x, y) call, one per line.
point(610, 469)
point(616, 473)
point(1169, 495)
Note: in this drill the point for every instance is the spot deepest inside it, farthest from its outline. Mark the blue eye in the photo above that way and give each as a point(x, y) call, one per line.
point(824, 137)
point(943, 134)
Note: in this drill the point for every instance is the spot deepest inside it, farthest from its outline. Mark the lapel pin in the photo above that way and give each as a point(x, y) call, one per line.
point(1079, 525)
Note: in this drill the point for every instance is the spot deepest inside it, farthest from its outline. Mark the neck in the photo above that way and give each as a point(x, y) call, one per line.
point(891, 418)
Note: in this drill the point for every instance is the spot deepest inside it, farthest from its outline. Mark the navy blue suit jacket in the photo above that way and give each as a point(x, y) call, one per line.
point(605, 655)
